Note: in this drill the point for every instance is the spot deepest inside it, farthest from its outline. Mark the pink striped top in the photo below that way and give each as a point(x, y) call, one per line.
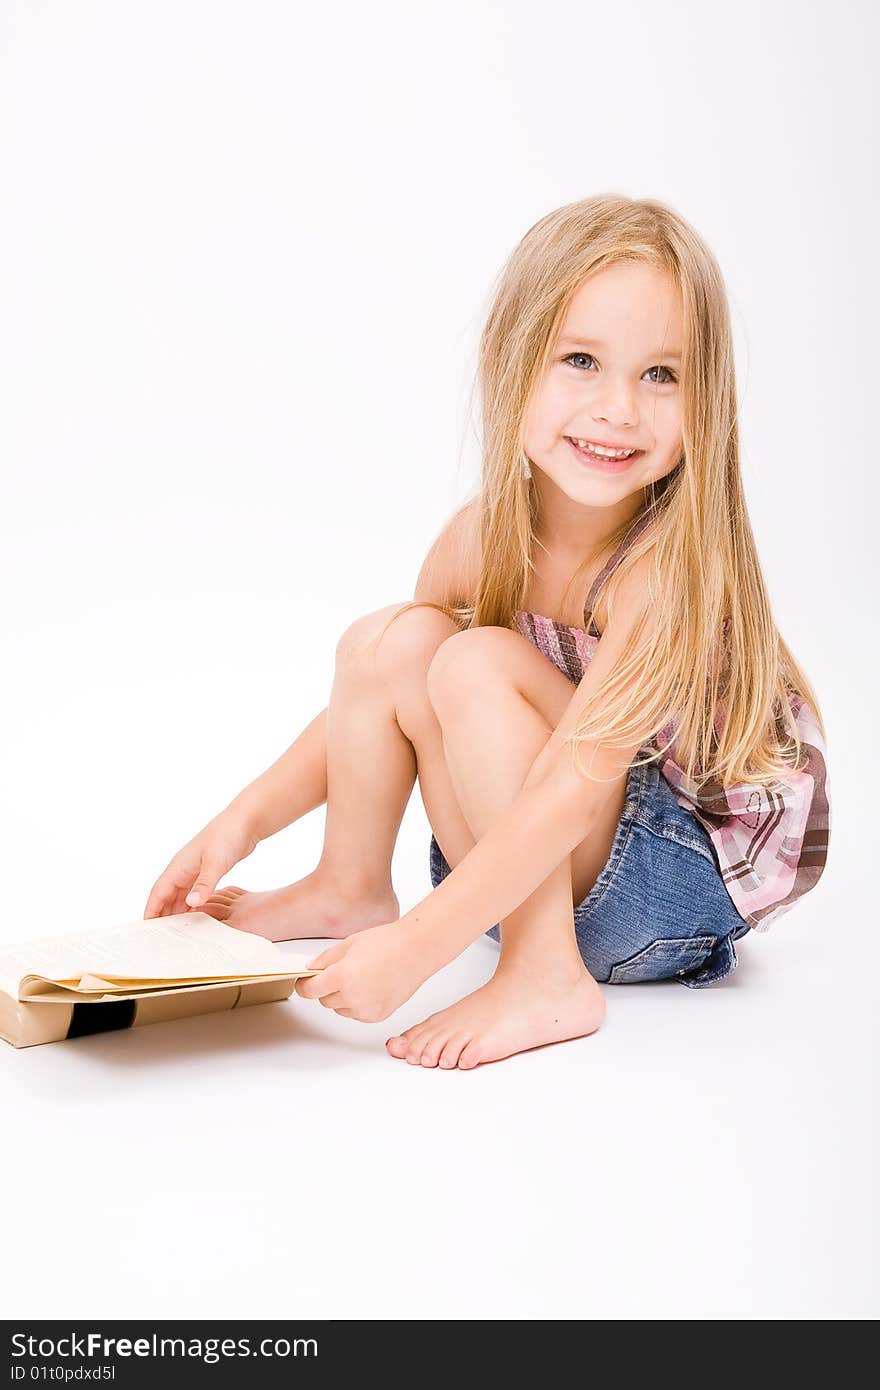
point(771, 843)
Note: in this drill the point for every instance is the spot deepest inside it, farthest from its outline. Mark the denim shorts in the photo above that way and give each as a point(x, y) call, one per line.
point(659, 909)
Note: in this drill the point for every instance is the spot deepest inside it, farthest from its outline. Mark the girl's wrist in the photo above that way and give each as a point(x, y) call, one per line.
point(246, 814)
point(426, 938)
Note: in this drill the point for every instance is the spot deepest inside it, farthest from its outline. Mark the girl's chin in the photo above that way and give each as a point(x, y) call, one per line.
point(611, 485)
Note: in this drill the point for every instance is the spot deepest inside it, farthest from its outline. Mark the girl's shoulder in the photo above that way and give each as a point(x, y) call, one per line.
point(450, 572)
point(631, 591)
point(635, 577)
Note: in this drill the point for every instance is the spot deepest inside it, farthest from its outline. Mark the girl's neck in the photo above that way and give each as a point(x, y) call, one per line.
point(573, 532)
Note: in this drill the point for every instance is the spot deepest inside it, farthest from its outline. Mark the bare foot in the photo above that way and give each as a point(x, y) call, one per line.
point(309, 907)
point(515, 1011)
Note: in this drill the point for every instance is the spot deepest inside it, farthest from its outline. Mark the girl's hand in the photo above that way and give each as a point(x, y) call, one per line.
point(197, 868)
point(368, 975)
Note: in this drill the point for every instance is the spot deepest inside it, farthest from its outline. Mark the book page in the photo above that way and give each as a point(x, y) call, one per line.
point(91, 987)
point(185, 946)
point(55, 994)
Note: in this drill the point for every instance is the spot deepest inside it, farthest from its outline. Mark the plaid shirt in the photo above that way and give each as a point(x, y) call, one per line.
point(771, 842)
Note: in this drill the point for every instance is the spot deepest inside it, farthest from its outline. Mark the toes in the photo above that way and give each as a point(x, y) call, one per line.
point(218, 910)
point(404, 1043)
point(470, 1055)
point(432, 1049)
point(451, 1052)
point(416, 1045)
point(428, 1044)
point(409, 1043)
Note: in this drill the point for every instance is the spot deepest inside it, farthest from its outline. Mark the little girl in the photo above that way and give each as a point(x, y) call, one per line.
point(621, 760)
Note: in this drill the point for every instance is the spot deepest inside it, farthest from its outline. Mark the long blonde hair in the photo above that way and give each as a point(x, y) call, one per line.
point(714, 644)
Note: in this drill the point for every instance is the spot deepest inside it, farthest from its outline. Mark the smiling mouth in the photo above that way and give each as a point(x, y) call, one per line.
point(613, 461)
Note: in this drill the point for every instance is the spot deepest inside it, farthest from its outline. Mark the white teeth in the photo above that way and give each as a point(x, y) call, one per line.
point(605, 453)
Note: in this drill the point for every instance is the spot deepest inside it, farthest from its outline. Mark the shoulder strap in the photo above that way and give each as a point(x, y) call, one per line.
point(639, 525)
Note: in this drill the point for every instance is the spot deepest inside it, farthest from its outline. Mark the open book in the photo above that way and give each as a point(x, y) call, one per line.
point(142, 972)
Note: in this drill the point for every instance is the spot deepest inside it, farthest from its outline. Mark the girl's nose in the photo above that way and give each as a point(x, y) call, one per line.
point(615, 404)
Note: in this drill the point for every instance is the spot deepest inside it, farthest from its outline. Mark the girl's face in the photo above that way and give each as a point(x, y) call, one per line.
point(612, 380)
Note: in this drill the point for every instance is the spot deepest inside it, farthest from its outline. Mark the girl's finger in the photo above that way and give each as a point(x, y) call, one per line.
point(204, 885)
point(316, 986)
point(164, 895)
point(169, 901)
point(332, 1001)
point(177, 904)
point(329, 957)
point(157, 902)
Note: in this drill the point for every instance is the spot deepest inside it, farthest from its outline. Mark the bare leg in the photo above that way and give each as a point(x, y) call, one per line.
point(541, 991)
point(378, 711)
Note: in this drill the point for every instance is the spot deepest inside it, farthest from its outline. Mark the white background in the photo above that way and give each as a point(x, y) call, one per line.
point(246, 254)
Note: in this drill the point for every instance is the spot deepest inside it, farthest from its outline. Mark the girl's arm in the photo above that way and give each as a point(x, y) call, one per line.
point(556, 809)
point(294, 785)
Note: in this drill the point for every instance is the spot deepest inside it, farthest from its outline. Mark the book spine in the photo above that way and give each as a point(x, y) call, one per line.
point(43, 1023)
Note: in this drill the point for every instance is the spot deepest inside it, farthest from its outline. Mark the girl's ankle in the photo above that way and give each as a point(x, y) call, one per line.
point(346, 887)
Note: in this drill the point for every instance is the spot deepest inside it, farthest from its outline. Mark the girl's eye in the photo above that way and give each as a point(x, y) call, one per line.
point(670, 376)
point(669, 379)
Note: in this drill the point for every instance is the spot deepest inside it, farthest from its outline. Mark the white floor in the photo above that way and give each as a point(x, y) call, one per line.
point(708, 1154)
point(233, 425)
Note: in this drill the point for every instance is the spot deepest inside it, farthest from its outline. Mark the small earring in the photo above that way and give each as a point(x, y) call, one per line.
point(526, 466)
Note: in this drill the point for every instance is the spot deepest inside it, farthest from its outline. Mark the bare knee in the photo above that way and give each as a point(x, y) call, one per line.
point(464, 661)
point(394, 640)
point(362, 635)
